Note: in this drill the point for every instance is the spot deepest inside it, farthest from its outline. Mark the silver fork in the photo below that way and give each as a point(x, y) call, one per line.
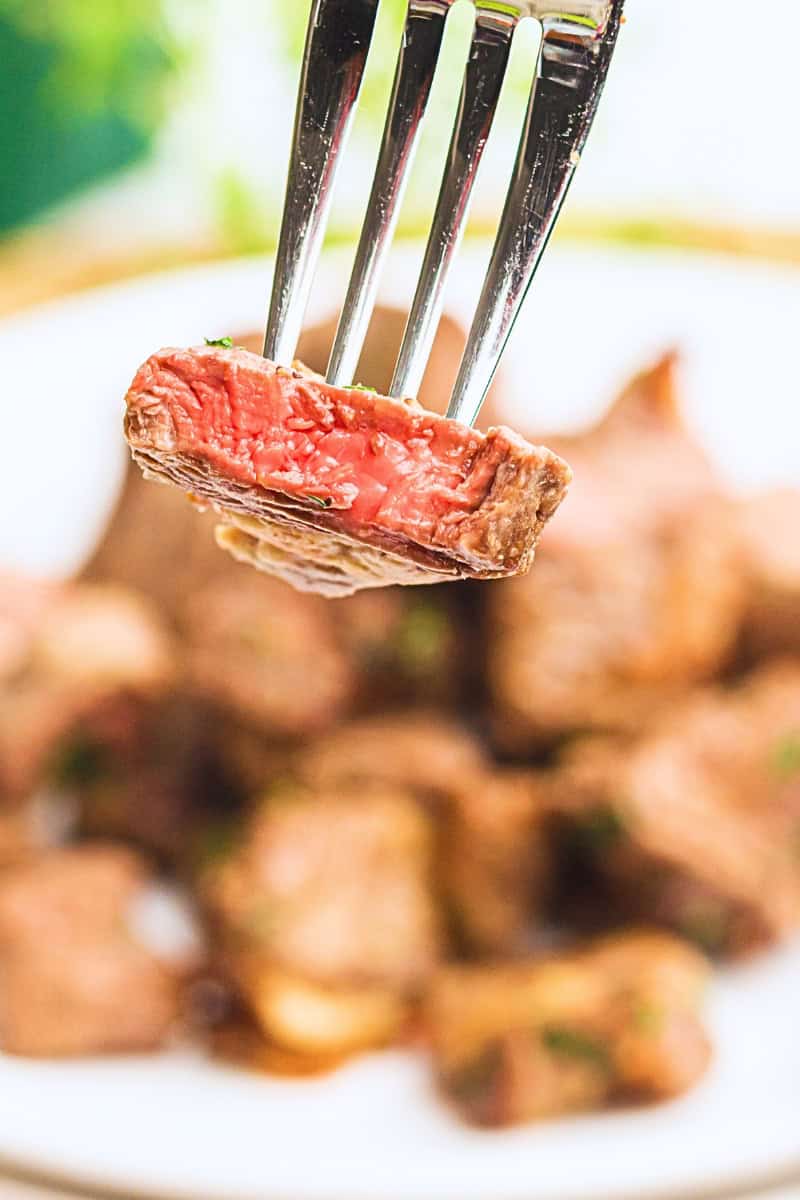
point(578, 40)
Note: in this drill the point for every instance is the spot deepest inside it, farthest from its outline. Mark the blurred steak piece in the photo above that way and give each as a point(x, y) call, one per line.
point(493, 856)
point(771, 531)
point(697, 824)
point(420, 751)
point(618, 1020)
point(334, 489)
point(638, 589)
point(158, 544)
point(74, 978)
point(265, 656)
point(405, 645)
point(156, 788)
point(325, 915)
point(496, 862)
point(79, 660)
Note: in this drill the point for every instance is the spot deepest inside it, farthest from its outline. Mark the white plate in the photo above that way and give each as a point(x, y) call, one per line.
point(178, 1125)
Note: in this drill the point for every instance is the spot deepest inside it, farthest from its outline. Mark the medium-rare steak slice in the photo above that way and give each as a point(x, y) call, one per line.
point(337, 489)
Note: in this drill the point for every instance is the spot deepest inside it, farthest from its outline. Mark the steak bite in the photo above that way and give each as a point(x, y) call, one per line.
point(696, 825)
point(156, 788)
point(158, 544)
point(82, 663)
point(771, 533)
point(404, 644)
point(337, 489)
point(324, 915)
point(264, 657)
point(74, 976)
point(419, 751)
point(618, 1020)
point(493, 853)
point(638, 589)
point(496, 862)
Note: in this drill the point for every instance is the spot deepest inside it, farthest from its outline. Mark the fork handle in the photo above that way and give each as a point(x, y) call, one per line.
point(338, 38)
point(569, 79)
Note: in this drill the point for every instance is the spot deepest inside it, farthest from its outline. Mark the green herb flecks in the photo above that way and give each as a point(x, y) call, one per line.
point(80, 763)
point(785, 757)
point(602, 829)
point(283, 789)
point(322, 501)
point(422, 636)
point(571, 1043)
point(647, 1017)
point(215, 843)
point(225, 342)
point(359, 387)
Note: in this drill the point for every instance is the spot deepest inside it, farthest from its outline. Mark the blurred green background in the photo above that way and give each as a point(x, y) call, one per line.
point(83, 90)
point(161, 123)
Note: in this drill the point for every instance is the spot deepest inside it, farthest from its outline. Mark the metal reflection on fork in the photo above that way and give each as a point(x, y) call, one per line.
point(578, 40)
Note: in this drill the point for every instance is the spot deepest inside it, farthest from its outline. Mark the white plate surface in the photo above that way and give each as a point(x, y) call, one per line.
point(178, 1125)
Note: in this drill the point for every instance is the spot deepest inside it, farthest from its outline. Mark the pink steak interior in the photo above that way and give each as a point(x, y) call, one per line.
point(380, 461)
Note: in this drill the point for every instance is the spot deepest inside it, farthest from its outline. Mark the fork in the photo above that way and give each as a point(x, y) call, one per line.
point(577, 44)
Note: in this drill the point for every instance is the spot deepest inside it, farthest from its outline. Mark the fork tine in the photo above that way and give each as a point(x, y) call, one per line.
point(419, 52)
point(569, 79)
point(483, 77)
point(338, 38)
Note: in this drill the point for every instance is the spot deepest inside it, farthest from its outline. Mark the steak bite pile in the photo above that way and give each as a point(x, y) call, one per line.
point(618, 1020)
point(696, 825)
point(402, 815)
point(638, 588)
point(338, 489)
point(75, 978)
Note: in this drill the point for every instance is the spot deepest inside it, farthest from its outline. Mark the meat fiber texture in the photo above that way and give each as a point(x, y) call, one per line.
point(336, 489)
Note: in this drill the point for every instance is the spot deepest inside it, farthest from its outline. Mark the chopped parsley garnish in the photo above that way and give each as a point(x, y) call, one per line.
point(571, 1043)
point(322, 501)
point(81, 763)
point(359, 387)
point(225, 342)
point(422, 636)
point(785, 757)
point(647, 1018)
point(602, 829)
point(216, 842)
